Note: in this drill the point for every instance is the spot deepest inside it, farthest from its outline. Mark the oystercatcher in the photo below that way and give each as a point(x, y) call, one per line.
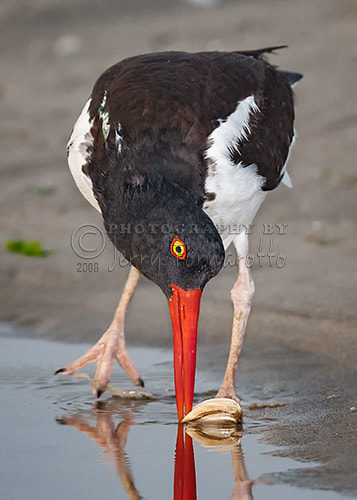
point(175, 149)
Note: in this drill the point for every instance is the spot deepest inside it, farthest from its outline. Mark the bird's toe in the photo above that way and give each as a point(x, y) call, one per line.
point(98, 388)
point(61, 370)
point(139, 382)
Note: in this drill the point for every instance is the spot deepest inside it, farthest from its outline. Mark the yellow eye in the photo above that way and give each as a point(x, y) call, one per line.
point(178, 248)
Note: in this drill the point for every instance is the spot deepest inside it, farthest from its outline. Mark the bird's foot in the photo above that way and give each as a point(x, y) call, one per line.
point(109, 347)
point(228, 391)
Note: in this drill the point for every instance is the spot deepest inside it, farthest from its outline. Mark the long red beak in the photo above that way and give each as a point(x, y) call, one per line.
point(184, 309)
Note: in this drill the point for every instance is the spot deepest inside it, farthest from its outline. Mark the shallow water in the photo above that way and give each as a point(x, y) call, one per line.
point(58, 442)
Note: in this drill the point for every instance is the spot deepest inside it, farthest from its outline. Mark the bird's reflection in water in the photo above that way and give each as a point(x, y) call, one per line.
point(112, 439)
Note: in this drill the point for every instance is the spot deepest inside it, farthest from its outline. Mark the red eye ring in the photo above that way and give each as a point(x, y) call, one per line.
point(178, 249)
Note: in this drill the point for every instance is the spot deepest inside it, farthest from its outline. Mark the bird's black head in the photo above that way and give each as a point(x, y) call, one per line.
point(178, 252)
point(157, 226)
point(182, 248)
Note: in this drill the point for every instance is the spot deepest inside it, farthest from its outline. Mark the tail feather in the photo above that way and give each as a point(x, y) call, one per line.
point(258, 53)
point(291, 77)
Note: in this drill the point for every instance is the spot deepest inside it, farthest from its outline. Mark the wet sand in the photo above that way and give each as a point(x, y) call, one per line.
point(301, 339)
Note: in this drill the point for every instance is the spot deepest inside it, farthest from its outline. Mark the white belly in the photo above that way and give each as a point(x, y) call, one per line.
point(238, 196)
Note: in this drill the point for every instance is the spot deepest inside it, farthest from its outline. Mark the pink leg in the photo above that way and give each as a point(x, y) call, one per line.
point(241, 295)
point(111, 345)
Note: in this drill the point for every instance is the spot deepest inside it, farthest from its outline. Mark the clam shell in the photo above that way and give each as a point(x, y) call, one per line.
point(215, 411)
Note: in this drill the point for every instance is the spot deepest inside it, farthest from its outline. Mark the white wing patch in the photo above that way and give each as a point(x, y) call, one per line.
point(237, 188)
point(286, 177)
point(78, 145)
point(231, 130)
